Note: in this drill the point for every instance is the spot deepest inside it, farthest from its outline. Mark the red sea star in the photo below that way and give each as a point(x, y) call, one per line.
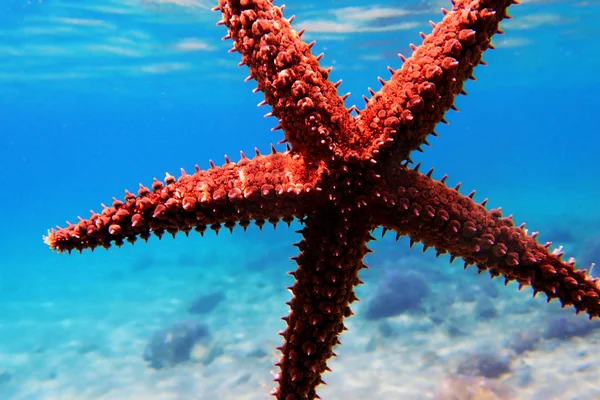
point(342, 177)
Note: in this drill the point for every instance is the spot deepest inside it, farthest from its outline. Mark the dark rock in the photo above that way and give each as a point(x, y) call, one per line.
point(486, 363)
point(205, 303)
point(568, 326)
point(485, 309)
point(397, 293)
point(173, 345)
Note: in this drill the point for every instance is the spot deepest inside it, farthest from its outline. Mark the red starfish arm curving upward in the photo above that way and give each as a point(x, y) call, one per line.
point(428, 211)
point(332, 251)
point(399, 117)
point(264, 188)
point(306, 103)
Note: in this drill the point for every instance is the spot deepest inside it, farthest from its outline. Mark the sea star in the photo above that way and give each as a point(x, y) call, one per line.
point(342, 176)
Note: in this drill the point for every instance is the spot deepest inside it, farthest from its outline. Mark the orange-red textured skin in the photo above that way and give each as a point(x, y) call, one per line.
point(265, 188)
point(343, 177)
point(331, 254)
point(311, 113)
point(428, 211)
point(406, 110)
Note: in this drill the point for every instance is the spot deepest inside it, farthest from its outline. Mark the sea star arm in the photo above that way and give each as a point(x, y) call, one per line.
point(429, 212)
point(264, 188)
point(331, 254)
point(399, 117)
point(311, 113)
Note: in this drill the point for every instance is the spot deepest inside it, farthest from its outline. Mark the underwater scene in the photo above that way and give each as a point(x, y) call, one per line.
point(137, 110)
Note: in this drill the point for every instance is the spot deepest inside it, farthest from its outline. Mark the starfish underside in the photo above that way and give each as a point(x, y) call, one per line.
point(342, 176)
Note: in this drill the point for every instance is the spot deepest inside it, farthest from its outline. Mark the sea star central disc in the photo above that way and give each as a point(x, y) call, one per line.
point(342, 176)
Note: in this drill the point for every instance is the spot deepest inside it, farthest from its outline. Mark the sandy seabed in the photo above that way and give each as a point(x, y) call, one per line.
point(88, 344)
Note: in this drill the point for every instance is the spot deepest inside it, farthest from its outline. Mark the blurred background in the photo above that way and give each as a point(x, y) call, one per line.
point(98, 96)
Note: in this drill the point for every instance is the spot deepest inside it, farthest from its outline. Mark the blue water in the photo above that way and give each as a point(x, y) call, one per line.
point(98, 96)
